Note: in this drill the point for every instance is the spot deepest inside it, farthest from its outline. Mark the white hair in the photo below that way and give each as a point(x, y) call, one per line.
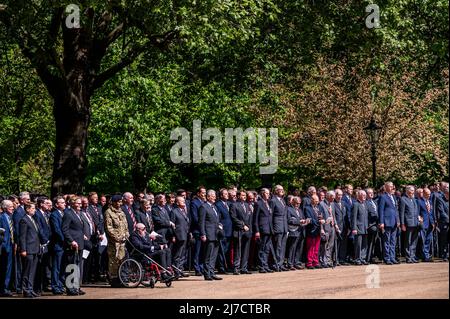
point(6, 203)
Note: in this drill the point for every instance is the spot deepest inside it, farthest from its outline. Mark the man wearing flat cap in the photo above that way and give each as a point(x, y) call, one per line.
point(117, 232)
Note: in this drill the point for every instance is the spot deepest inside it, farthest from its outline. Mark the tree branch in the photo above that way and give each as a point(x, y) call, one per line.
point(159, 41)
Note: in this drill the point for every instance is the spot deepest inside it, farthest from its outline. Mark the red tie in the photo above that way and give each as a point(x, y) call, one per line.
point(132, 217)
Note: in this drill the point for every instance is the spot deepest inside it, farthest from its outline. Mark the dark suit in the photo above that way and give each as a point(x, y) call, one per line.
point(343, 222)
point(161, 222)
point(313, 230)
point(97, 255)
point(388, 214)
point(443, 224)
point(427, 227)
point(73, 230)
point(56, 247)
point(6, 253)
point(43, 273)
point(409, 216)
point(29, 242)
point(151, 248)
point(89, 231)
point(182, 225)
point(263, 225)
point(280, 229)
point(18, 214)
point(241, 216)
point(360, 223)
point(131, 217)
point(296, 236)
point(209, 226)
point(225, 219)
point(146, 219)
point(195, 229)
point(372, 230)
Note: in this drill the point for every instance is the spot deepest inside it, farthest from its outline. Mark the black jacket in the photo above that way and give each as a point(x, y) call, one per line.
point(29, 236)
point(73, 229)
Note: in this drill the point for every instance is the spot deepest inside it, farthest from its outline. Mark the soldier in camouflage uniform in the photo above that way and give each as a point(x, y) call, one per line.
point(117, 232)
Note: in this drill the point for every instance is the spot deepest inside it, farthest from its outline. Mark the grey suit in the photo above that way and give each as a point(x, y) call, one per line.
point(208, 220)
point(296, 237)
point(241, 216)
point(360, 223)
point(409, 216)
point(280, 229)
point(326, 248)
point(182, 224)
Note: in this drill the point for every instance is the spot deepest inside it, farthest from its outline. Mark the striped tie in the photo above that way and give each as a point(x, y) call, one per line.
point(11, 230)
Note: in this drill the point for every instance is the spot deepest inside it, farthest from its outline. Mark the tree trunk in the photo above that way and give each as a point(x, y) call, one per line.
point(72, 117)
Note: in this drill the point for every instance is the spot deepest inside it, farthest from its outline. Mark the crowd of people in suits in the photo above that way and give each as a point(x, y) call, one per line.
point(228, 231)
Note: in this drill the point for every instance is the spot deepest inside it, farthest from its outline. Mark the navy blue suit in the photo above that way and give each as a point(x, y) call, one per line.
point(427, 227)
point(389, 216)
point(18, 214)
point(29, 242)
point(225, 219)
point(6, 253)
point(195, 230)
point(56, 250)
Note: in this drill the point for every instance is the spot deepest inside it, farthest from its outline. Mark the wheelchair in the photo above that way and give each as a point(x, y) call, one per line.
point(139, 268)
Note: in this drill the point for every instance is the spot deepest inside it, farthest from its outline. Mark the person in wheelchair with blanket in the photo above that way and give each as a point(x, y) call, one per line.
point(148, 244)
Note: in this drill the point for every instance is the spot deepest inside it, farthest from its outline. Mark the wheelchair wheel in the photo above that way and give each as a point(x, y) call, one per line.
point(130, 273)
point(149, 281)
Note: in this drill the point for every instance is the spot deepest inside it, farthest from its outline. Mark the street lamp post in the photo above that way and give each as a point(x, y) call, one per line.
point(373, 134)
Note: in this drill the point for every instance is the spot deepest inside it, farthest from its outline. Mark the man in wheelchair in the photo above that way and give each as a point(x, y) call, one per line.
point(148, 244)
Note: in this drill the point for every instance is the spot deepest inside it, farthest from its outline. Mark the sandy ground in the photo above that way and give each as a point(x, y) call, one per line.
point(424, 280)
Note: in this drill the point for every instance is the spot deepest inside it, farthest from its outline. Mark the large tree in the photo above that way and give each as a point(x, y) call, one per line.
point(73, 61)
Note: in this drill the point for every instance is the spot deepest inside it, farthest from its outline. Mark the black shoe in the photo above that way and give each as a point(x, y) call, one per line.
point(81, 292)
point(310, 267)
point(115, 283)
point(416, 261)
point(198, 274)
point(216, 278)
point(395, 262)
point(262, 271)
point(325, 266)
point(28, 295)
point(358, 263)
point(445, 260)
point(236, 272)
point(184, 274)
point(292, 268)
point(268, 270)
point(299, 267)
point(388, 263)
point(410, 261)
point(364, 262)
point(284, 268)
point(72, 292)
point(222, 272)
point(344, 263)
point(429, 260)
point(57, 293)
point(6, 294)
point(208, 278)
point(318, 267)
